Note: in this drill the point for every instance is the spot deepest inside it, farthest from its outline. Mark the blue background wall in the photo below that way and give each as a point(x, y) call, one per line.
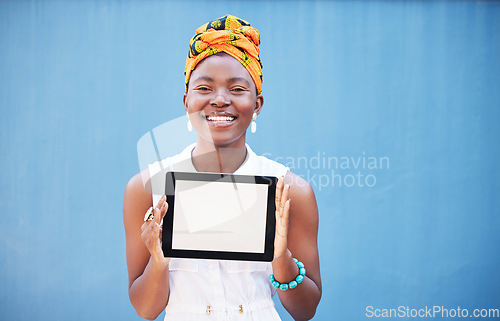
point(415, 82)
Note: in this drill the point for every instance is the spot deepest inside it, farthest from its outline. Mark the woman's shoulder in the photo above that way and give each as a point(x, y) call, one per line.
point(138, 189)
point(136, 201)
point(299, 187)
point(148, 185)
point(304, 216)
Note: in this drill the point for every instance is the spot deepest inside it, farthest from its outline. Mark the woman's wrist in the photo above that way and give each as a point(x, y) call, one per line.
point(284, 268)
point(159, 265)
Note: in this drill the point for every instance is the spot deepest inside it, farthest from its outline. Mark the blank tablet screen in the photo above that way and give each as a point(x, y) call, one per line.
point(219, 216)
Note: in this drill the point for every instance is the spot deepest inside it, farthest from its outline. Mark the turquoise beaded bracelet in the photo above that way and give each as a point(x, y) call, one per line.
point(294, 283)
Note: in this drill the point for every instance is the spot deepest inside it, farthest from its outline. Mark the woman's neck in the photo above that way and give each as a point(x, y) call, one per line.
point(208, 157)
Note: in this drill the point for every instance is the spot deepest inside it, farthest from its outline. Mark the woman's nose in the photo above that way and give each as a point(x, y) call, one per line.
point(220, 99)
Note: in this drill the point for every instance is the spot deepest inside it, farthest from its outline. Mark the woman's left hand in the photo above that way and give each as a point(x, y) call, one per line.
point(282, 213)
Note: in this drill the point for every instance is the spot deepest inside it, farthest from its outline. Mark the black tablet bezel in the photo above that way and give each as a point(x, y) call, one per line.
point(170, 183)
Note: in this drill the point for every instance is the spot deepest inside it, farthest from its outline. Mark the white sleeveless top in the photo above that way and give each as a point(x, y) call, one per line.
point(217, 289)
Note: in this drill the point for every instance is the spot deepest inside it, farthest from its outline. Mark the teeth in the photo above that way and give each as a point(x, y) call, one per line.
point(220, 118)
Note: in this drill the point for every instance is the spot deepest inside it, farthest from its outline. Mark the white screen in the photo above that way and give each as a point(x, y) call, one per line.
point(219, 216)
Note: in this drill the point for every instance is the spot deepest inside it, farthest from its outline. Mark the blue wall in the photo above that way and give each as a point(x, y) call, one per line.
point(410, 88)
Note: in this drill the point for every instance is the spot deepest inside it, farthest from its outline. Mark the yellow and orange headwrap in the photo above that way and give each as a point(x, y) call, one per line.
point(231, 35)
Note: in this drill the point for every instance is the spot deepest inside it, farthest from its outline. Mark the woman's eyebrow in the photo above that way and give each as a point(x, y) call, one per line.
point(206, 78)
point(236, 79)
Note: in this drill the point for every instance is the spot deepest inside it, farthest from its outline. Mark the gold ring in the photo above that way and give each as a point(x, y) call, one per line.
point(149, 215)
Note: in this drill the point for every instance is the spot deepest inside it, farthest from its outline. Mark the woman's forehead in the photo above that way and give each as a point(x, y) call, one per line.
point(221, 67)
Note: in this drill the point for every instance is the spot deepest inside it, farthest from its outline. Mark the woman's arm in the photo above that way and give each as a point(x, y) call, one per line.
point(299, 223)
point(147, 268)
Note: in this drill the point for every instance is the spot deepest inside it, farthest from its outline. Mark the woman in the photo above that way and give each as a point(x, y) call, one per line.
point(223, 97)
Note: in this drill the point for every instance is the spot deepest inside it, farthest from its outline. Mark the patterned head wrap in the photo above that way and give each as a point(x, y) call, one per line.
point(231, 35)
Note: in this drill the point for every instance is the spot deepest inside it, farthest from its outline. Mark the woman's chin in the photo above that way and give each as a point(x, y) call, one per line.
point(224, 138)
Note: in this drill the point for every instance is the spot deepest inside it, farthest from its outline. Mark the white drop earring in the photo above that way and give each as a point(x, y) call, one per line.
point(253, 127)
point(190, 126)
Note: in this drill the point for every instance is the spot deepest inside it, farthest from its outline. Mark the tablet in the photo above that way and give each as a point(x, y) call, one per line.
point(219, 216)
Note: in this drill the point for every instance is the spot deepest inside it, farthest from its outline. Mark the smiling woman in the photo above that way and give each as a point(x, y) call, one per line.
point(223, 97)
point(221, 100)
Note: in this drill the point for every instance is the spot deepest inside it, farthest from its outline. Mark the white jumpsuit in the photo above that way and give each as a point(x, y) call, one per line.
point(217, 289)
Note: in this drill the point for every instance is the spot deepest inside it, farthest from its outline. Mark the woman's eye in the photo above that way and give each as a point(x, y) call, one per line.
point(202, 88)
point(239, 89)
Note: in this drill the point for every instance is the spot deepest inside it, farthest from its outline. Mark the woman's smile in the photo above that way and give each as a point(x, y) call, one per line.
point(220, 120)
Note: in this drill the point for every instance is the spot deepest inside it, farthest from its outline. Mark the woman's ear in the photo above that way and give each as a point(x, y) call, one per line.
point(184, 101)
point(258, 104)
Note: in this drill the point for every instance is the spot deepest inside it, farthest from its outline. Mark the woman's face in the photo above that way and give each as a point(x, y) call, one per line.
point(221, 100)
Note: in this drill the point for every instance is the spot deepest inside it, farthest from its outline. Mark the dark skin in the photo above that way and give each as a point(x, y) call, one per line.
point(221, 86)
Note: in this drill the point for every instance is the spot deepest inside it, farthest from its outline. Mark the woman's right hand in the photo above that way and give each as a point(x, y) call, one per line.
point(152, 233)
